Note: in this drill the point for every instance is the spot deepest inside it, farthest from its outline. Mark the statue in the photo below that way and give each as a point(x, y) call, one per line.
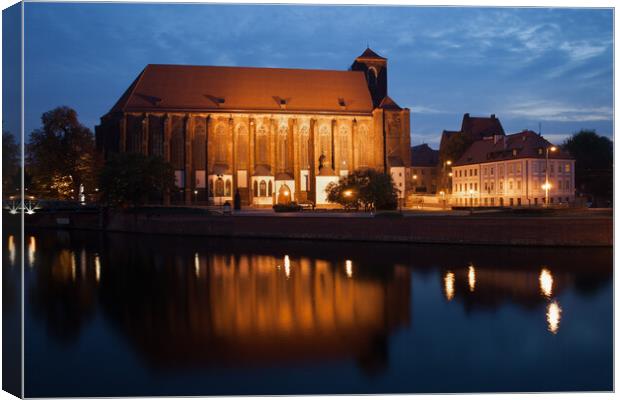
point(322, 161)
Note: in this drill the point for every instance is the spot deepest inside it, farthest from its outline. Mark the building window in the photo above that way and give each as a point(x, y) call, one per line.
point(220, 144)
point(255, 189)
point(241, 154)
point(263, 189)
point(518, 185)
point(228, 187)
point(491, 171)
point(567, 167)
point(270, 189)
point(261, 146)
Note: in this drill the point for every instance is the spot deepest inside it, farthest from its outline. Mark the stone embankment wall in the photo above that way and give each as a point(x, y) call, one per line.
point(483, 230)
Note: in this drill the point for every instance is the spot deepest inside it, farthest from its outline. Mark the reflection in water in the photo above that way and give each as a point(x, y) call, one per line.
point(349, 268)
point(546, 282)
point(471, 278)
point(228, 309)
point(97, 268)
point(11, 248)
point(73, 266)
point(32, 248)
point(449, 285)
point(287, 266)
point(197, 265)
point(554, 313)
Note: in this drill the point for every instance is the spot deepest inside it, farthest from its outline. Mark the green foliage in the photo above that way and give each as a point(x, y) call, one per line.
point(454, 147)
point(365, 188)
point(61, 156)
point(593, 162)
point(130, 179)
point(10, 164)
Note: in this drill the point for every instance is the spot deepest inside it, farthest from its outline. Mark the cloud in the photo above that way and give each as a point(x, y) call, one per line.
point(554, 111)
point(425, 110)
point(582, 50)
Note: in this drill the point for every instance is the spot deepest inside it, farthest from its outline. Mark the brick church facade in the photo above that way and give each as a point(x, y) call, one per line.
point(274, 135)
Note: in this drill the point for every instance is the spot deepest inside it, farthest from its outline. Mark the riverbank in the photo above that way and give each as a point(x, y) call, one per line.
point(594, 229)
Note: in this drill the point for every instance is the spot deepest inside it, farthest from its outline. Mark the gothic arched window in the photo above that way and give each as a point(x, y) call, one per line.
point(228, 187)
point(343, 145)
point(263, 189)
point(324, 141)
point(177, 143)
point(270, 189)
point(255, 189)
point(241, 152)
point(220, 144)
point(304, 148)
point(261, 146)
point(363, 146)
point(282, 147)
point(199, 143)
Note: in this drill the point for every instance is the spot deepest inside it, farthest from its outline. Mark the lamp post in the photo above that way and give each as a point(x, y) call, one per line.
point(443, 199)
point(447, 183)
point(471, 201)
point(547, 185)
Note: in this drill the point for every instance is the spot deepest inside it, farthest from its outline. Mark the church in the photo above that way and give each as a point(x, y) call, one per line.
point(273, 135)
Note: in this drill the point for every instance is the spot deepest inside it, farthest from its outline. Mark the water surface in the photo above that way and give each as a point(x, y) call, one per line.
point(120, 314)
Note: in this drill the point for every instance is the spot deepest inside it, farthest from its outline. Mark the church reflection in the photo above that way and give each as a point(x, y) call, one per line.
point(246, 309)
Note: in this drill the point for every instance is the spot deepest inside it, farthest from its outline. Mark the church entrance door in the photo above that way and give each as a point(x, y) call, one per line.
point(284, 195)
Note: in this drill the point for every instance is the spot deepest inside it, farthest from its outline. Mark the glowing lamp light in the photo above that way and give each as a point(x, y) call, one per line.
point(450, 174)
point(347, 193)
point(348, 266)
point(286, 192)
point(554, 314)
point(546, 186)
point(553, 148)
point(449, 162)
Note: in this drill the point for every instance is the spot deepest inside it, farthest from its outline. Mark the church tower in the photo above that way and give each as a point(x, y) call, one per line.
point(375, 68)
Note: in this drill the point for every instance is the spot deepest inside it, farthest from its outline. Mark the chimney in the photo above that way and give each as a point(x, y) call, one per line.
point(466, 115)
point(492, 116)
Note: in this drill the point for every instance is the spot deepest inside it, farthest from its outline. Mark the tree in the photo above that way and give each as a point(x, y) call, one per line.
point(364, 187)
point(454, 147)
point(130, 179)
point(61, 155)
point(593, 163)
point(10, 163)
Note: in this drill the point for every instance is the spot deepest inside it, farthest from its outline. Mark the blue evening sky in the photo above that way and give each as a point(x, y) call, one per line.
point(527, 66)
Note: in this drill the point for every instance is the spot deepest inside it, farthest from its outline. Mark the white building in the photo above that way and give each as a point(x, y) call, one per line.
point(511, 170)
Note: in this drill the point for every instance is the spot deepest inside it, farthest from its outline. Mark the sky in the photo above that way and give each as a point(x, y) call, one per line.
point(529, 66)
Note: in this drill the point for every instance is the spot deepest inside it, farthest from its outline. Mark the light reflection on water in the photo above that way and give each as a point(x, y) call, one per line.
point(217, 304)
point(449, 285)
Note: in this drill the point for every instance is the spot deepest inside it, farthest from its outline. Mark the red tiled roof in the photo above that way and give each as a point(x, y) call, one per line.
point(184, 87)
point(525, 144)
point(424, 156)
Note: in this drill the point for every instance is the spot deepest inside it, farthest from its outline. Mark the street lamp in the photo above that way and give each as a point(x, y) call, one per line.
point(471, 200)
point(547, 185)
point(443, 199)
point(446, 164)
